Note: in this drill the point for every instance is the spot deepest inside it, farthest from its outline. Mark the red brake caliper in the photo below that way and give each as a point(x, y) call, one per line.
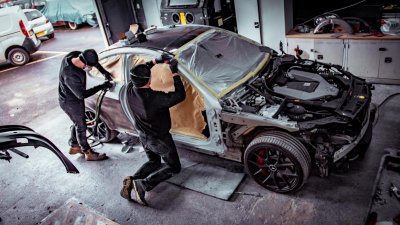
point(261, 161)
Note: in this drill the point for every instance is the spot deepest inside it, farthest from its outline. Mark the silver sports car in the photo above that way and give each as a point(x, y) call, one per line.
point(276, 114)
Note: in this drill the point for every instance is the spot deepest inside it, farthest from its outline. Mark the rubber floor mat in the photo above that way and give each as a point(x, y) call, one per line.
point(74, 212)
point(210, 180)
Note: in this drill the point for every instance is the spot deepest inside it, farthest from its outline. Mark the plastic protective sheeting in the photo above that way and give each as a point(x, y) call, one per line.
point(77, 11)
point(220, 59)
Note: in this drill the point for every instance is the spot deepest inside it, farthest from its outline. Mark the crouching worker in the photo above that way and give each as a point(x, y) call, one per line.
point(152, 121)
point(71, 95)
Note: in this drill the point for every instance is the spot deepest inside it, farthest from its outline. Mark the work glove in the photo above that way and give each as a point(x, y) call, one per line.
point(173, 65)
point(150, 64)
point(163, 58)
point(108, 85)
point(107, 75)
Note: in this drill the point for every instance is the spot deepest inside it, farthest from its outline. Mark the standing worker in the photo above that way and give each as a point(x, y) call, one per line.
point(71, 95)
point(152, 121)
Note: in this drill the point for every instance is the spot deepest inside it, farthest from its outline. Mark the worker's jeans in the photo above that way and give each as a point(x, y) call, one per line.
point(76, 112)
point(154, 172)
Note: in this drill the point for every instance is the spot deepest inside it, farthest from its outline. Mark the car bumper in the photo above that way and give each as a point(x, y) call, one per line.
point(43, 30)
point(14, 136)
point(31, 44)
point(367, 124)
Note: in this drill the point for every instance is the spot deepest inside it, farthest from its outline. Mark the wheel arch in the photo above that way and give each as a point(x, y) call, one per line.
point(14, 47)
point(112, 132)
point(248, 137)
point(284, 140)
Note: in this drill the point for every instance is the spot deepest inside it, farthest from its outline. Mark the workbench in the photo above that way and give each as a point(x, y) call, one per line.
point(363, 54)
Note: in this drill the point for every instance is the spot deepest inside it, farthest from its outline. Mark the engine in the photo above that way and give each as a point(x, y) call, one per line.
point(305, 86)
point(328, 105)
point(294, 92)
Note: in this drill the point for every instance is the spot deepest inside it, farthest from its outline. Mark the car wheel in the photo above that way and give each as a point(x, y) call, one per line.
point(18, 57)
point(50, 36)
point(291, 139)
point(72, 25)
point(104, 134)
point(277, 161)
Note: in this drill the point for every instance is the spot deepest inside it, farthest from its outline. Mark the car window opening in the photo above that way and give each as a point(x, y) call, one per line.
point(213, 59)
point(188, 117)
point(112, 64)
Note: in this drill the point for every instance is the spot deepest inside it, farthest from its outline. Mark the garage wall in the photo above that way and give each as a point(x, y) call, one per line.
point(247, 15)
point(276, 20)
point(152, 12)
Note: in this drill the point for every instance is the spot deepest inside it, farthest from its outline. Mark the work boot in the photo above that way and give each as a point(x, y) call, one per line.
point(91, 155)
point(126, 188)
point(75, 149)
point(139, 192)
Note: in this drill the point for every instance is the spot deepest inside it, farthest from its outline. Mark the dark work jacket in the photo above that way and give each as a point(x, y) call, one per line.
point(151, 108)
point(72, 84)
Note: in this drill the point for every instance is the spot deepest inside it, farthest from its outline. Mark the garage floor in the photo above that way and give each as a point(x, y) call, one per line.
point(30, 189)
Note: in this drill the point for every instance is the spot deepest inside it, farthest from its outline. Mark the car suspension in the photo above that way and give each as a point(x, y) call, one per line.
point(323, 156)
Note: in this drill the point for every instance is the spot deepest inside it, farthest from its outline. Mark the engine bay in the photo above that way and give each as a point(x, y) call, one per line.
point(330, 106)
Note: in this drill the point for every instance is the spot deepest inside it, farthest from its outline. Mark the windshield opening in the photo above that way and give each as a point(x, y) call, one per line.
point(221, 59)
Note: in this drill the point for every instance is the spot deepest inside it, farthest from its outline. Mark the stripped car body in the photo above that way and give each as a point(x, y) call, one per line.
point(274, 113)
point(15, 136)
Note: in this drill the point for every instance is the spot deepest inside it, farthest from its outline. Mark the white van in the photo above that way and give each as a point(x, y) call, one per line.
point(17, 39)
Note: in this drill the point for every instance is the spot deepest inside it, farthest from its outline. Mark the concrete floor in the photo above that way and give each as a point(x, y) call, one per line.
point(30, 189)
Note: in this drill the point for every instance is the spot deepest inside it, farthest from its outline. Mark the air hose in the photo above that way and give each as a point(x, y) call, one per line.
point(94, 135)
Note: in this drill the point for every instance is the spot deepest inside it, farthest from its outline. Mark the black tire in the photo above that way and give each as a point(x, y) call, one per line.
point(290, 138)
point(51, 36)
point(72, 25)
point(277, 161)
point(104, 134)
point(18, 57)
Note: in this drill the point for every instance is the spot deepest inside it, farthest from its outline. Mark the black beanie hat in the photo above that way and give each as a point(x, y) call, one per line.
point(89, 57)
point(140, 75)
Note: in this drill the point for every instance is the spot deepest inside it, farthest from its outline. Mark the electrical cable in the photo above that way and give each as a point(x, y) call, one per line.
point(347, 6)
point(381, 104)
point(335, 10)
point(387, 99)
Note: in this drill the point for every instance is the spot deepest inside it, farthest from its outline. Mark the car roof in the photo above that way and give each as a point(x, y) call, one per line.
point(173, 37)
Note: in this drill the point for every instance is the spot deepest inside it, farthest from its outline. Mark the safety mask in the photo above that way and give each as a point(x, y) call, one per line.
point(87, 68)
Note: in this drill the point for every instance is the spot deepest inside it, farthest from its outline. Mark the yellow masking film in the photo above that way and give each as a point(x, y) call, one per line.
point(187, 117)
